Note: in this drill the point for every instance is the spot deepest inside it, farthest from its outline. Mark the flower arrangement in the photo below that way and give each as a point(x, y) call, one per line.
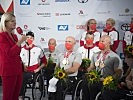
point(110, 83)
point(129, 50)
point(93, 76)
point(85, 63)
point(60, 73)
point(50, 63)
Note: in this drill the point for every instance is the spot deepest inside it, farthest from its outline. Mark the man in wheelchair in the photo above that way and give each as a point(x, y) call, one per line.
point(51, 56)
point(33, 60)
point(125, 89)
point(70, 61)
point(106, 62)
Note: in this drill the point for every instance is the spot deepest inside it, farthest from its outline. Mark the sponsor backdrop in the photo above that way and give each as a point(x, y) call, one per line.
point(61, 18)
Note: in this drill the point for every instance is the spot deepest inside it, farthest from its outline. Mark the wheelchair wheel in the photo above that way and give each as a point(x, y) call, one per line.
point(78, 94)
point(38, 88)
point(98, 97)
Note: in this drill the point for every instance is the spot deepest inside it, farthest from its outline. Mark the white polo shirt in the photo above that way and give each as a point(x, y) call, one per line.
point(113, 34)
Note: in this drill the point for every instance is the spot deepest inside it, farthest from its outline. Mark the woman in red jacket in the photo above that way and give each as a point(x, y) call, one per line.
point(10, 61)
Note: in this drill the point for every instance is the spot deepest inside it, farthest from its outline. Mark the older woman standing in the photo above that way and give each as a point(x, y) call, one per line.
point(10, 61)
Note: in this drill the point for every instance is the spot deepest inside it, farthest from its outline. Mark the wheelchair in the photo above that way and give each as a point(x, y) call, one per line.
point(128, 95)
point(65, 88)
point(36, 84)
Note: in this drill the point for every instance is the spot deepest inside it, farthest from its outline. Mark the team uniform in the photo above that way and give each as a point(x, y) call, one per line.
point(49, 70)
point(114, 34)
point(96, 37)
point(66, 61)
point(128, 37)
point(53, 55)
point(87, 52)
point(32, 58)
point(106, 63)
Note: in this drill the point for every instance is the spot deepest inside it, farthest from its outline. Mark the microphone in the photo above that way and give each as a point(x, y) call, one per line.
point(19, 30)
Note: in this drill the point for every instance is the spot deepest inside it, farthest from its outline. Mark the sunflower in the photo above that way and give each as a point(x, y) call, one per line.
point(93, 77)
point(110, 83)
point(130, 49)
point(60, 73)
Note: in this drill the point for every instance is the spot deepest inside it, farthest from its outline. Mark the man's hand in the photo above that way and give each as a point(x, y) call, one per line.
point(25, 68)
point(37, 70)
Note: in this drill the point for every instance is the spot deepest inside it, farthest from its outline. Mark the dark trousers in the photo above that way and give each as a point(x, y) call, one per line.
point(85, 89)
point(11, 86)
point(61, 86)
point(27, 77)
point(94, 89)
point(115, 94)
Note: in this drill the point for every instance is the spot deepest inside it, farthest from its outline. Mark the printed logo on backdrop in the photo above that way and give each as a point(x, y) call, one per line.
point(43, 40)
point(25, 26)
point(100, 27)
point(82, 1)
point(62, 0)
point(125, 27)
point(43, 28)
point(81, 13)
point(104, 12)
point(43, 14)
point(62, 14)
point(126, 12)
point(62, 27)
point(81, 27)
point(24, 2)
point(104, 0)
point(43, 2)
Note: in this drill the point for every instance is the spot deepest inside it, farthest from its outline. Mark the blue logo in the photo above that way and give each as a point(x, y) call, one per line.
point(24, 2)
point(62, 27)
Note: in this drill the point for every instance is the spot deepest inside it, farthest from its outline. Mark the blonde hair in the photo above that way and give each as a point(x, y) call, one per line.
point(111, 20)
point(88, 23)
point(5, 18)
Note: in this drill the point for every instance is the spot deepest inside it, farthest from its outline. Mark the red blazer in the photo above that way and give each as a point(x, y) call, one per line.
point(10, 61)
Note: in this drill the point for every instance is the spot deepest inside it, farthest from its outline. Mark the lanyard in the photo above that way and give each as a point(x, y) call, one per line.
point(66, 55)
point(102, 57)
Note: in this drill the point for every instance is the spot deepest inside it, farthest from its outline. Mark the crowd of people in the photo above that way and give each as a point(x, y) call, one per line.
point(18, 64)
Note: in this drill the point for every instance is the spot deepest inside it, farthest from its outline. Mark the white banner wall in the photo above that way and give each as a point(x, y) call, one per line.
point(61, 18)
